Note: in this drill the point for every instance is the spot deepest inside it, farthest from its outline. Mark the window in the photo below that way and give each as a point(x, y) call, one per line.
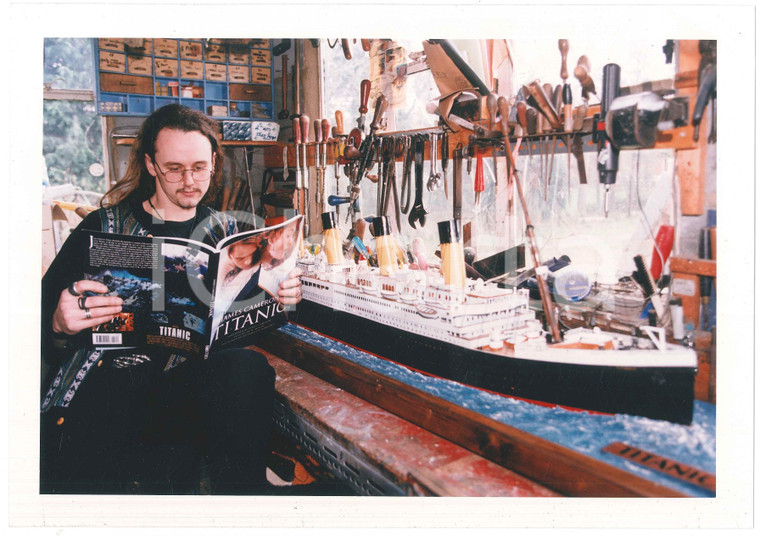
point(72, 139)
point(568, 216)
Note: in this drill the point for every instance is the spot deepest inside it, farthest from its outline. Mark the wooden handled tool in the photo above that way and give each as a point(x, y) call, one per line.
point(583, 73)
point(325, 125)
point(297, 78)
point(503, 105)
point(364, 88)
point(366, 44)
point(381, 105)
point(479, 183)
point(317, 158)
point(284, 113)
point(339, 123)
point(346, 48)
point(564, 46)
point(304, 119)
point(522, 115)
point(543, 286)
point(567, 97)
point(491, 108)
point(299, 176)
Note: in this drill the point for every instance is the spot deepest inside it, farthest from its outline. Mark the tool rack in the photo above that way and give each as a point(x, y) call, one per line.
point(226, 80)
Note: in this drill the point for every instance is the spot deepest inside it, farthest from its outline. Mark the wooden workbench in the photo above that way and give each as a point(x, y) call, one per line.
point(378, 452)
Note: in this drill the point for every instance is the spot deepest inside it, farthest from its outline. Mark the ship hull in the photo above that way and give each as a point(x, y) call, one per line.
point(665, 393)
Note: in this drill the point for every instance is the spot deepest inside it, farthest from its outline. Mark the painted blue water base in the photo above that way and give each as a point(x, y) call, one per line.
point(692, 445)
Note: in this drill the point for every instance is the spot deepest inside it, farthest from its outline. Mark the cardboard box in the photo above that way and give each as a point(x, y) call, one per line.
point(165, 47)
point(260, 43)
point(218, 111)
point(191, 69)
point(236, 130)
point(112, 61)
point(240, 73)
point(216, 72)
point(166, 67)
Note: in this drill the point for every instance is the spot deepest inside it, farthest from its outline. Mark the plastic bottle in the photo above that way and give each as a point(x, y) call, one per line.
point(664, 241)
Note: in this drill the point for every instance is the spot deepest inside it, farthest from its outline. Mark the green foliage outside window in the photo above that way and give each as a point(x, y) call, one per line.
point(72, 140)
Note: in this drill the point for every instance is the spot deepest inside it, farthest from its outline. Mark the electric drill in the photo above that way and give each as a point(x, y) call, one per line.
point(607, 158)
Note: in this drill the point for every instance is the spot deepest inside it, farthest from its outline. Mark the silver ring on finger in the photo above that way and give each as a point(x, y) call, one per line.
point(73, 289)
point(87, 314)
point(82, 300)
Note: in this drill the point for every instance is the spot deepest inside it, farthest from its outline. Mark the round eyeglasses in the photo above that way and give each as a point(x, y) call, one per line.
point(176, 175)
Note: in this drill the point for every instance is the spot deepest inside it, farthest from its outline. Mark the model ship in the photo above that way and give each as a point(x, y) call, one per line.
point(441, 323)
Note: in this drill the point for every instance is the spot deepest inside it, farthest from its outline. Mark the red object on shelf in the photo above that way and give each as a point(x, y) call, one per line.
point(664, 241)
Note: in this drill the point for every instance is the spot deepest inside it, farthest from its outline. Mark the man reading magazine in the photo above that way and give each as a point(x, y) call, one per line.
point(126, 420)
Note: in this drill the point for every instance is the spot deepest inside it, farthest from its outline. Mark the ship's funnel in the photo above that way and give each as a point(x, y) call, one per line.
point(386, 249)
point(333, 248)
point(452, 253)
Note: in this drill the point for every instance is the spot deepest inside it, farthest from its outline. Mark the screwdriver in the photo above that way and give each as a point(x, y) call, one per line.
point(479, 183)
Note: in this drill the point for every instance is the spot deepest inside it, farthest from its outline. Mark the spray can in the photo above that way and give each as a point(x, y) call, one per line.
point(333, 248)
point(452, 253)
point(386, 248)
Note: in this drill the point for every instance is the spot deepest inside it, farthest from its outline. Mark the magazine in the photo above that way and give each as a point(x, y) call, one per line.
point(188, 298)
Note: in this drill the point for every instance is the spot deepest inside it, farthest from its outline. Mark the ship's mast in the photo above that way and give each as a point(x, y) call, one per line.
point(543, 287)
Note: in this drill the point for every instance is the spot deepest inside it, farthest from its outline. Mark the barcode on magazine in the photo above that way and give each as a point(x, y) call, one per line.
point(109, 338)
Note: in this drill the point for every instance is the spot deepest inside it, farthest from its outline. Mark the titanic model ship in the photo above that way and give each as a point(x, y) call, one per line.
point(440, 323)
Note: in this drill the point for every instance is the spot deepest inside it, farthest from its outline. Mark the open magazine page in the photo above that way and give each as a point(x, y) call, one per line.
point(166, 289)
point(251, 267)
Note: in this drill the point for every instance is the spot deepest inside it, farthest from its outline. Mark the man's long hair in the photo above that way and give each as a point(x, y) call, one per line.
point(137, 184)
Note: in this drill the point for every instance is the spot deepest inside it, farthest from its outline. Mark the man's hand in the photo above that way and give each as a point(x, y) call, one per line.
point(290, 289)
point(70, 319)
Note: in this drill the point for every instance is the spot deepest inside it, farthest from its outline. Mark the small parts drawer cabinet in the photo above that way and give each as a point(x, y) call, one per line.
point(224, 78)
